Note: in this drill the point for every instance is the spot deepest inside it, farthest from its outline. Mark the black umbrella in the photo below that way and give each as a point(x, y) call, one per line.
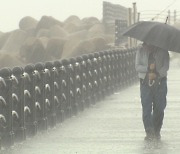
point(155, 33)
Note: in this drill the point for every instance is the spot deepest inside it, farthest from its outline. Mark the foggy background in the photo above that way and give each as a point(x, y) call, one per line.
point(44, 30)
point(12, 11)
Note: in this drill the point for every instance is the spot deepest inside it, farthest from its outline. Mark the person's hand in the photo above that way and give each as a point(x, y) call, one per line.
point(152, 66)
point(152, 76)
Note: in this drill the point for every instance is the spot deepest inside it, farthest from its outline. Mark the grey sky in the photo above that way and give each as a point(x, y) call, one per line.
point(13, 10)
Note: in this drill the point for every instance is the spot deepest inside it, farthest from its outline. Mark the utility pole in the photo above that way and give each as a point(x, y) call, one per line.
point(169, 17)
point(134, 12)
point(134, 20)
point(129, 24)
point(138, 18)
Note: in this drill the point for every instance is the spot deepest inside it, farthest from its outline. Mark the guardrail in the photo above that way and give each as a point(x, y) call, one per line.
point(39, 96)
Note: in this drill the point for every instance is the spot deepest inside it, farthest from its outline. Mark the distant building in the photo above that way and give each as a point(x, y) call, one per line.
point(115, 20)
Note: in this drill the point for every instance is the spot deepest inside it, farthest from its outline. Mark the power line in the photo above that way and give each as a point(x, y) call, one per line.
point(164, 9)
point(151, 14)
point(150, 10)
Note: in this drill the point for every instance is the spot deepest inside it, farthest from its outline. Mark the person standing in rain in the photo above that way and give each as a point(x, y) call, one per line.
point(152, 64)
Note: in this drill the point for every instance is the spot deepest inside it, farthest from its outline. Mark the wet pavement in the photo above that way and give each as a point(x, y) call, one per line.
point(112, 126)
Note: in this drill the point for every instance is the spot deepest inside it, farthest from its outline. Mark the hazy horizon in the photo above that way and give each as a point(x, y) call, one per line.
point(14, 11)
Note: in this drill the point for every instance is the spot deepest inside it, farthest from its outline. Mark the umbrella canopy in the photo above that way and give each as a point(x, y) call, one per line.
point(155, 33)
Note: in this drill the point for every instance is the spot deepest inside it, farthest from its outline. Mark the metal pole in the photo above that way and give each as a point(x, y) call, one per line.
point(134, 20)
point(138, 18)
point(169, 17)
point(134, 12)
point(129, 24)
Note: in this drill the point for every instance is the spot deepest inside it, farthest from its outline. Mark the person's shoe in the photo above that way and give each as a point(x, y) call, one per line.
point(158, 136)
point(148, 138)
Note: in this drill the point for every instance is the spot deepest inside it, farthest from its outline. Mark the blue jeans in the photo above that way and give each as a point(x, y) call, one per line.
point(153, 100)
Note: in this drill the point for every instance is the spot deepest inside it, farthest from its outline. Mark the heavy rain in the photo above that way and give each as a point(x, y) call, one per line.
point(90, 77)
